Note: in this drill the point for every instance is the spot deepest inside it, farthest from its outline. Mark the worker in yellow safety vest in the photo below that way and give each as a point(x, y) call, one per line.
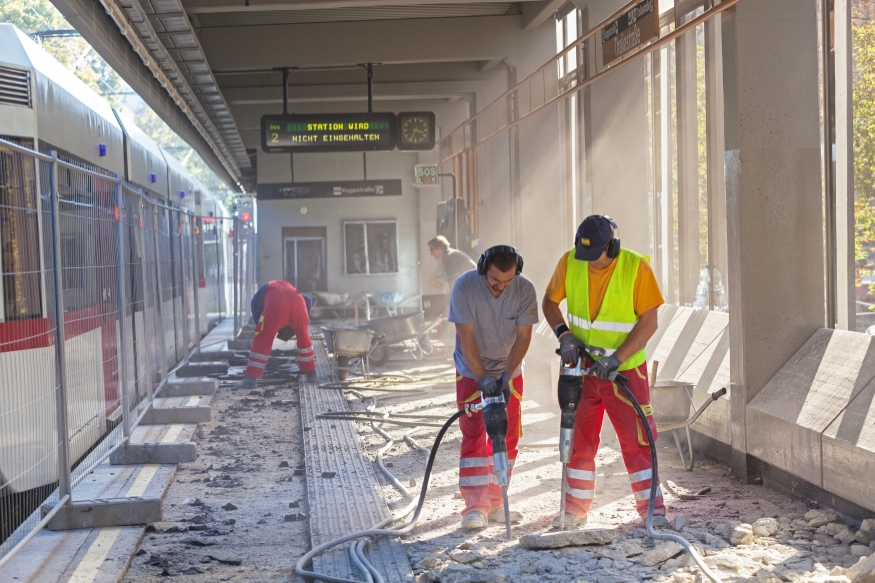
point(612, 299)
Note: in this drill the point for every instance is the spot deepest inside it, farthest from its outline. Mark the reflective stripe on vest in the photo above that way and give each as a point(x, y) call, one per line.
point(616, 317)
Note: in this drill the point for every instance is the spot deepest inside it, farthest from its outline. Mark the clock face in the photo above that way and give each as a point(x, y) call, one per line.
point(415, 130)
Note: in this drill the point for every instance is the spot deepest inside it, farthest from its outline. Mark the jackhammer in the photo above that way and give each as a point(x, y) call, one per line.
point(495, 422)
point(570, 390)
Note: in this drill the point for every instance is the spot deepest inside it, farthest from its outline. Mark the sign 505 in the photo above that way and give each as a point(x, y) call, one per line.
point(426, 174)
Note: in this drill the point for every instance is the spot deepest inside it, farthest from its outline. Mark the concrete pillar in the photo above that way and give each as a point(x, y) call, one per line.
point(773, 196)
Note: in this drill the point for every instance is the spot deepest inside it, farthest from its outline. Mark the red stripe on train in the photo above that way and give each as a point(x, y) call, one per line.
point(39, 332)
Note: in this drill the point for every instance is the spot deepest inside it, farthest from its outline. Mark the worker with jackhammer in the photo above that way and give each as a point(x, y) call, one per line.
point(279, 311)
point(493, 309)
point(613, 299)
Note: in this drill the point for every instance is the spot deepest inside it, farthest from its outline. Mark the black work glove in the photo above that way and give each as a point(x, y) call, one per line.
point(605, 367)
point(569, 348)
point(504, 381)
point(489, 386)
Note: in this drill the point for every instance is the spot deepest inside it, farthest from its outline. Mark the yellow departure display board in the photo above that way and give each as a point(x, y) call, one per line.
point(330, 132)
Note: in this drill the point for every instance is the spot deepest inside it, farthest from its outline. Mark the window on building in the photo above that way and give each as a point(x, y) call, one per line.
point(370, 247)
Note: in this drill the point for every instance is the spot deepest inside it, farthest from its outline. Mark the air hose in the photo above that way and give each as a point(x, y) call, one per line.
point(621, 382)
point(379, 529)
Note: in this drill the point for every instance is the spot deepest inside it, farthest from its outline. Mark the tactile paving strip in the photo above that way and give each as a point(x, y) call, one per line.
point(351, 500)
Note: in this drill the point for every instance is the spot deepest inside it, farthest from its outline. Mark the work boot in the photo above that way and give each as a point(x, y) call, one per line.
point(248, 383)
point(310, 376)
point(572, 522)
point(474, 521)
point(659, 521)
point(497, 515)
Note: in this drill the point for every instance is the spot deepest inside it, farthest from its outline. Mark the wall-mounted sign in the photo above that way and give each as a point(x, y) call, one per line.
point(426, 175)
point(339, 189)
point(416, 130)
point(330, 132)
point(632, 30)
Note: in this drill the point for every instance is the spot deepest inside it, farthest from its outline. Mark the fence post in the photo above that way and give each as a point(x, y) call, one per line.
point(162, 340)
point(64, 478)
point(179, 231)
point(194, 265)
point(122, 312)
point(236, 290)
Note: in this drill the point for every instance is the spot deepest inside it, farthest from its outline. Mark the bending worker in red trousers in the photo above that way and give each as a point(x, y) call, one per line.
point(612, 304)
point(280, 311)
point(493, 309)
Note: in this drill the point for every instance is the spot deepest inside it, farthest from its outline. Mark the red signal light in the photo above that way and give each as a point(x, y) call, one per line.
point(246, 217)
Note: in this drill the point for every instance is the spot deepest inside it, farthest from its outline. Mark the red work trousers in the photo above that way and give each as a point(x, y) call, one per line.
point(283, 306)
point(604, 396)
point(476, 480)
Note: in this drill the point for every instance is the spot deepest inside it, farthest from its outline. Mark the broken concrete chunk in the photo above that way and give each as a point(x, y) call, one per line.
point(869, 526)
point(860, 550)
point(864, 537)
point(284, 464)
point(741, 535)
point(465, 557)
point(294, 504)
point(764, 527)
point(818, 517)
point(846, 536)
point(661, 553)
point(329, 474)
point(680, 521)
point(229, 506)
point(555, 540)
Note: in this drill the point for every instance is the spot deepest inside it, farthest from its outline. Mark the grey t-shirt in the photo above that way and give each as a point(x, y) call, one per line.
point(495, 320)
point(454, 264)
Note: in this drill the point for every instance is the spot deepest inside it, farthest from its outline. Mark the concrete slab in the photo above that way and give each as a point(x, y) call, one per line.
point(154, 453)
point(189, 386)
point(211, 355)
point(246, 334)
point(105, 513)
point(175, 432)
point(168, 415)
point(786, 418)
point(202, 369)
point(239, 344)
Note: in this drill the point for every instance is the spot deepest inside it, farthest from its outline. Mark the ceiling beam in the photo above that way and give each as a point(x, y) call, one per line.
point(487, 66)
point(242, 96)
point(536, 13)
point(220, 6)
point(484, 38)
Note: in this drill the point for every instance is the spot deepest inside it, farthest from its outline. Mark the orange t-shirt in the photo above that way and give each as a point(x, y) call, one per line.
point(646, 294)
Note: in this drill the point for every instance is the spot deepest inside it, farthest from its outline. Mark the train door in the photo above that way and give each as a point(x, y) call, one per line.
point(165, 260)
point(178, 312)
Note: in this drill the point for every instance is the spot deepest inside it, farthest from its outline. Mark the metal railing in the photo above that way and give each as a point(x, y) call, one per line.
point(137, 290)
point(544, 87)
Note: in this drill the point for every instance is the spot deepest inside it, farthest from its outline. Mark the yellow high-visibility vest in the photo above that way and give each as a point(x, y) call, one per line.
point(616, 317)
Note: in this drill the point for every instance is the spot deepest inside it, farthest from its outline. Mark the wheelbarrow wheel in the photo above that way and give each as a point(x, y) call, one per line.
point(379, 355)
point(342, 369)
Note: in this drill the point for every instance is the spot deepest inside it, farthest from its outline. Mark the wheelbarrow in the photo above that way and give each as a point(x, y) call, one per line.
point(672, 402)
point(408, 330)
point(344, 345)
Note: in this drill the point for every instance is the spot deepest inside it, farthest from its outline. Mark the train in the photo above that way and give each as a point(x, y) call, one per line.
point(44, 107)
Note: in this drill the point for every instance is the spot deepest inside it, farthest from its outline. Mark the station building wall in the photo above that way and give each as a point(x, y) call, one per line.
point(332, 213)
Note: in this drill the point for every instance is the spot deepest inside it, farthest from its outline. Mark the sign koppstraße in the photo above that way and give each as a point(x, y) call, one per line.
point(329, 132)
point(632, 30)
point(339, 189)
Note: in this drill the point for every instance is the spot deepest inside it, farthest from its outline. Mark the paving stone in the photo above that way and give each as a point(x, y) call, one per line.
point(555, 540)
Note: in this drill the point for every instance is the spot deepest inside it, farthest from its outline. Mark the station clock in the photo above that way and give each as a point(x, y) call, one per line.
point(415, 130)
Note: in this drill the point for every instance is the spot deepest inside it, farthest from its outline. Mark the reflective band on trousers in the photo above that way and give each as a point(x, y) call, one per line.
point(255, 364)
point(642, 475)
point(581, 474)
point(474, 480)
point(306, 358)
point(474, 462)
point(581, 494)
point(645, 494)
point(256, 355)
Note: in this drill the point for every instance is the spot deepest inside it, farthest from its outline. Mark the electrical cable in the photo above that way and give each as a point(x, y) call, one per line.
point(378, 529)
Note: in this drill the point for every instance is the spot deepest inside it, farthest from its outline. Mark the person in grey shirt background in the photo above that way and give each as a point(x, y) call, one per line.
point(493, 309)
point(451, 262)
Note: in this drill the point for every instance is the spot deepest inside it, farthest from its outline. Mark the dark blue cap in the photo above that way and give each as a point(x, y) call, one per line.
point(593, 235)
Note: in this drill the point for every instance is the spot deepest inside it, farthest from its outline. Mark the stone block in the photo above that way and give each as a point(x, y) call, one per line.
point(154, 453)
point(555, 540)
point(239, 344)
point(202, 369)
point(189, 388)
point(105, 513)
point(169, 415)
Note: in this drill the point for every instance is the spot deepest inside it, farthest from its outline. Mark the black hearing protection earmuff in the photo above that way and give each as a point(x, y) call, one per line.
point(484, 261)
point(614, 246)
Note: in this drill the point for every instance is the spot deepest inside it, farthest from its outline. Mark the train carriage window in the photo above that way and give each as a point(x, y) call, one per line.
point(19, 235)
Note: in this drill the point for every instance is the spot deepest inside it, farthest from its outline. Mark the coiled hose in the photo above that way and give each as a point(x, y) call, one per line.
point(379, 529)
